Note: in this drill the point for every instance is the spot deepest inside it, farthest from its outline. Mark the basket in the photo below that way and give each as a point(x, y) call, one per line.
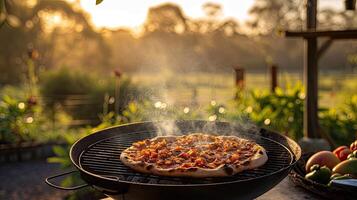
point(297, 176)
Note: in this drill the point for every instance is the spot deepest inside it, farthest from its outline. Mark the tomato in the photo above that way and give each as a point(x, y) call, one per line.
point(184, 155)
point(200, 162)
point(342, 152)
point(153, 155)
point(353, 146)
point(234, 157)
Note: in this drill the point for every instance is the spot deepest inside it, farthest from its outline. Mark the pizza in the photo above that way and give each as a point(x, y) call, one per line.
point(194, 155)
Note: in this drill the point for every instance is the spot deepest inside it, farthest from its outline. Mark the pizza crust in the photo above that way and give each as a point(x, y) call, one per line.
point(224, 170)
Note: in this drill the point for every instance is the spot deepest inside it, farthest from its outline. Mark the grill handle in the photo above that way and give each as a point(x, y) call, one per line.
point(47, 180)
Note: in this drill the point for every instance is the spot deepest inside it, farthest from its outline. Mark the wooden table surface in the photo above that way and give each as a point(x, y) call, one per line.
point(287, 190)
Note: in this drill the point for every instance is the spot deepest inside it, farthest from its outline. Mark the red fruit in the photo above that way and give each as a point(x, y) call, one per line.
point(342, 152)
point(353, 146)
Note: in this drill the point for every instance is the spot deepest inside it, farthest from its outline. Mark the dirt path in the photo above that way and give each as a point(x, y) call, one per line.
point(25, 180)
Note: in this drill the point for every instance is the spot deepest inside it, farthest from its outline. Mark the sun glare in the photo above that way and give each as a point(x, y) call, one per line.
point(132, 14)
point(57, 20)
point(51, 19)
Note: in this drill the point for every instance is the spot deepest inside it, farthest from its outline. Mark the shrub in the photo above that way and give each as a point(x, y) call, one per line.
point(83, 95)
point(23, 120)
point(341, 123)
point(283, 111)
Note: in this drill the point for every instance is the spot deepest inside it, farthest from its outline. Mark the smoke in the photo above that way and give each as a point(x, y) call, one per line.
point(167, 128)
point(182, 127)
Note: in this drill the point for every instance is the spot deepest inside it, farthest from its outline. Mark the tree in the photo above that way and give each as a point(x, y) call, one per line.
point(58, 44)
point(332, 19)
point(212, 10)
point(269, 16)
point(166, 18)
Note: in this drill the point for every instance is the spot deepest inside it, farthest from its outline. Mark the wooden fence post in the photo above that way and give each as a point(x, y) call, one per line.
point(117, 74)
point(273, 77)
point(239, 77)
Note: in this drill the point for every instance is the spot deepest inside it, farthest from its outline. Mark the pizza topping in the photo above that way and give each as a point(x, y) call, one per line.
point(139, 144)
point(200, 162)
point(184, 155)
point(234, 157)
point(187, 165)
point(168, 162)
point(194, 151)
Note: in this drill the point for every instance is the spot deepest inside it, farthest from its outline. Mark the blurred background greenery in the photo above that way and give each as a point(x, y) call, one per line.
point(63, 77)
point(60, 71)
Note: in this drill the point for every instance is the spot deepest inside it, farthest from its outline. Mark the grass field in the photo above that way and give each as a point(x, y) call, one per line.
point(182, 89)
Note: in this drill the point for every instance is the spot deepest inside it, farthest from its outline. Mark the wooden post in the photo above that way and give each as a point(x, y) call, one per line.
point(350, 4)
point(273, 77)
point(239, 77)
point(117, 74)
point(311, 74)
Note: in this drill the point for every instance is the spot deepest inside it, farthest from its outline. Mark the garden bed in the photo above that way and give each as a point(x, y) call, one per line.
point(26, 151)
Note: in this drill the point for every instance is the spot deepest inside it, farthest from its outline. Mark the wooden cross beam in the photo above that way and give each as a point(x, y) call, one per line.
point(313, 53)
point(338, 34)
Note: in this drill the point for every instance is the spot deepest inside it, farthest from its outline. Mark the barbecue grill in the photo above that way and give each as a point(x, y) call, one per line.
point(97, 159)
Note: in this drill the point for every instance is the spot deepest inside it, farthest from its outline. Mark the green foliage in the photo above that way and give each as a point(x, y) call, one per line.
point(98, 1)
point(12, 124)
point(62, 152)
point(216, 111)
point(283, 111)
point(157, 111)
point(341, 123)
point(91, 94)
point(23, 120)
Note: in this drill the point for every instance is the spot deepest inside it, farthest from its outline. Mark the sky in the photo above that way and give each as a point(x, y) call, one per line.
point(132, 13)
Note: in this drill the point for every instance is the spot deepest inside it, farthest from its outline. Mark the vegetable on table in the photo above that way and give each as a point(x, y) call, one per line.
point(347, 167)
point(352, 155)
point(319, 174)
point(322, 158)
point(353, 146)
point(342, 152)
point(338, 176)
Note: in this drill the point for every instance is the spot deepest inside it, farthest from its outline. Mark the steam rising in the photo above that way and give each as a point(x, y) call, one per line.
point(167, 128)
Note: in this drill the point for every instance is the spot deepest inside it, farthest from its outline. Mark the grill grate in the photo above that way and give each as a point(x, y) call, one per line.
point(102, 158)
